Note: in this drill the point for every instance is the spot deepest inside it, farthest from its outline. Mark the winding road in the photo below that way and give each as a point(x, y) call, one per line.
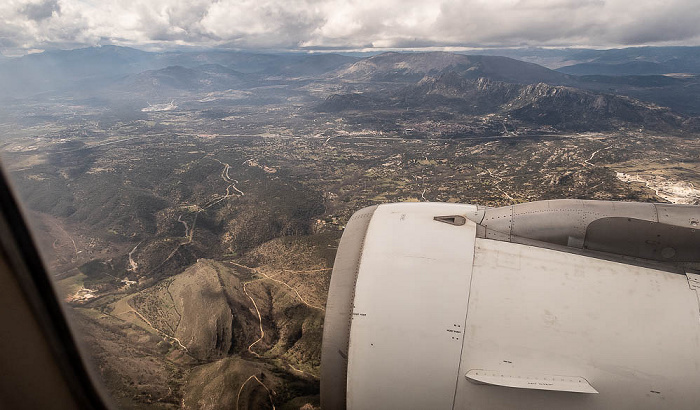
point(132, 263)
point(293, 290)
point(232, 185)
point(189, 231)
point(266, 276)
point(587, 162)
point(255, 305)
point(269, 393)
point(262, 332)
point(123, 306)
point(498, 186)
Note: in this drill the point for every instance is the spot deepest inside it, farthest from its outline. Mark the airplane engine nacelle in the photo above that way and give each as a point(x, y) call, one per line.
point(555, 304)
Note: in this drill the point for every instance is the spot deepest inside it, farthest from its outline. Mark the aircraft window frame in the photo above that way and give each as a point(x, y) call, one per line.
point(26, 264)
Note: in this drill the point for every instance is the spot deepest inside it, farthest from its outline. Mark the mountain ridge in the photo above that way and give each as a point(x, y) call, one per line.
point(563, 107)
point(410, 67)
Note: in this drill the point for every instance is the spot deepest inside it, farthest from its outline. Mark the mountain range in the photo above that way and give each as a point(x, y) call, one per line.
point(458, 83)
point(565, 108)
point(635, 61)
point(401, 67)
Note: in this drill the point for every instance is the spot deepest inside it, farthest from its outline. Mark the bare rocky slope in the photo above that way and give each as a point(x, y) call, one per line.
point(239, 322)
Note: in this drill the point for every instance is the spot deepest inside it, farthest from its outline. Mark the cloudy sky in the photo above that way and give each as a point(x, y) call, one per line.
point(33, 25)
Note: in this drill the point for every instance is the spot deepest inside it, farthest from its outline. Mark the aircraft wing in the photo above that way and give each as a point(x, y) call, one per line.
point(554, 304)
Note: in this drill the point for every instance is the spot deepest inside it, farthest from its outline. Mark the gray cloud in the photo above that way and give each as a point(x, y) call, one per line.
point(333, 24)
point(42, 10)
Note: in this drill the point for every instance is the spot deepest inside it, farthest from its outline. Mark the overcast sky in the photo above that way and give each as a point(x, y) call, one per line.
point(33, 25)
